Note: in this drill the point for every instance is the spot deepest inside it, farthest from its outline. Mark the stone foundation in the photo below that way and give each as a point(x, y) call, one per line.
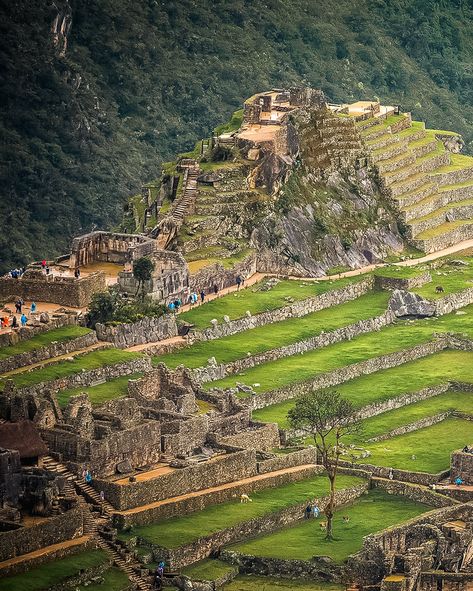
point(147, 330)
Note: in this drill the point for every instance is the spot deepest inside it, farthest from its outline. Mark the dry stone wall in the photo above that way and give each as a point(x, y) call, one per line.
point(184, 506)
point(205, 546)
point(93, 376)
point(262, 437)
point(414, 492)
point(214, 372)
point(28, 539)
point(65, 291)
point(180, 481)
point(218, 275)
point(28, 332)
point(458, 234)
point(43, 353)
point(295, 310)
point(300, 457)
point(344, 374)
point(392, 283)
point(422, 478)
point(453, 301)
point(147, 330)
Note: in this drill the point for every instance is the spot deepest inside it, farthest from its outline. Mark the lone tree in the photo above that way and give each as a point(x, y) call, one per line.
point(142, 271)
point(327, 417)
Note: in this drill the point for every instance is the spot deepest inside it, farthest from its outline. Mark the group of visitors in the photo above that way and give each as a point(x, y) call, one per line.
point(175, 305)
point(17, 273)
point(312, 510)
point(45, 267)
point(12, 321)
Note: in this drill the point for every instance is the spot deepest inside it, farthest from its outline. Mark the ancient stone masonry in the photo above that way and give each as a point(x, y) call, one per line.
point(57, 320)
point(205, 546)
point(65, 291)
point(346, 373)
point(109, 247)
point(169, 281)
point(43, 353)
point(214, 372)
point(294, 310)
point(462, 466)
point(432, 547)
point(147, 330)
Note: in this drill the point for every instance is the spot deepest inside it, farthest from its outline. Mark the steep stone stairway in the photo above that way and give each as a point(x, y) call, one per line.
point(96, 515)
point(432, 187)
point(167, 229)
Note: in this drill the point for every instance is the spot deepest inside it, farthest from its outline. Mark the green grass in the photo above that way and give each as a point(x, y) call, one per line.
point(279, 334)
point(173, 533)
point(457, 162)
point(426, 450)
point(207, 570)
point(371, 513)
point(52, 573)
point(62, 369)
point(236, 304)
point(299, 368)
point(438, 230)
point(389, 383)
point(251, 582)
point(396, 272)
point(101, 392)
point(113, 580)
point(233, 125)
point(61, 335)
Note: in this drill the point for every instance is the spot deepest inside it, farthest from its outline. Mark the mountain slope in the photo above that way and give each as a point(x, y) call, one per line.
point(96, 95)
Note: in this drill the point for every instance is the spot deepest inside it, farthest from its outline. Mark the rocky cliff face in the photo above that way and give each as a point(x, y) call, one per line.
point(327, 210)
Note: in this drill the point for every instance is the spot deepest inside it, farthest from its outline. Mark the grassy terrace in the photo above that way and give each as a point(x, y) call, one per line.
point(62, 369)
point(280, 333)
point(53, 573)
point(207, 570)
point(403, 334)
point(173, 533)
point(236, 304)
point(425, 450)
point(389, 383)
point(251, 582)
point(61, 335)
point(101, 392)
point(370, 513)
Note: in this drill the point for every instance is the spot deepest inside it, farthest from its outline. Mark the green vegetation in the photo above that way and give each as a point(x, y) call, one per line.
point(389, 339)
point(175, 532)
point(251, 582)
point(101, 392)
point(61, 335)
point(113, 580)
point(62, 369)
point(207, 570)
point(369, 514)
point(425, 450)
point(257, 300)
point(156, 105)
point(389, 383)
point(109, 308)
point(47, 575)
point(233, 125)
point(279, 334)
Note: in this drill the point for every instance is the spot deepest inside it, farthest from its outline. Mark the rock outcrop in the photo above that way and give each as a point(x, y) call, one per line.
point(405, 303)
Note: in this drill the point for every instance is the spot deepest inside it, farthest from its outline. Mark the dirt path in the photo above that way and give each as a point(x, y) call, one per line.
point(206, 491)
point(43, 551)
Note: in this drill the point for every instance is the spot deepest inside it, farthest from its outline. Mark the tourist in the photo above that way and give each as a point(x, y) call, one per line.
point(195, 297)
point(315, 510)
point(14, 323)
point(5, 322)
point(77, 272)
point(43, 264)
point(23, 320)
point(171, 306)
point(308, 511)
point(458, 481)
point(238, 282)
point(88, 476)
point(33, 307)
point(215, 289)
point(47, 269)
point(390, 475)
point(202, 296)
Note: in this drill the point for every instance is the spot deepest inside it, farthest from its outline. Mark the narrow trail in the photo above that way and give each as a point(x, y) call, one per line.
point(228, 486)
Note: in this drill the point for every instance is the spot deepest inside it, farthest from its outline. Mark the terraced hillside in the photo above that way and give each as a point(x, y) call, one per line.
point(432, 186)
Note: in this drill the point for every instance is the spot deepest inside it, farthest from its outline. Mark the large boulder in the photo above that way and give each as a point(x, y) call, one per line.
point(405, 303)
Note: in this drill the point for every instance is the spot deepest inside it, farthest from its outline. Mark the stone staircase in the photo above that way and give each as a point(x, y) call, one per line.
point(96, 515)
point(433, 189)
point(168, 228)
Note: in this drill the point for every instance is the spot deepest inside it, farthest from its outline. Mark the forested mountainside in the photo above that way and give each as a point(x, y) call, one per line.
point(95, 94)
